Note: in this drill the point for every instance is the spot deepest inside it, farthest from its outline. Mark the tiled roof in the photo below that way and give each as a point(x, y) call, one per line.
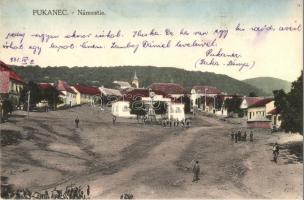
point(261, 102)
point(273, 112)
point(45, 86)
point(168, 88)
point(136, 94)
point(123, 84)
point(63, 86)
point(110, 92)
point(252, 100)
point(13, 74)
point(200, 89)
point(89, 90)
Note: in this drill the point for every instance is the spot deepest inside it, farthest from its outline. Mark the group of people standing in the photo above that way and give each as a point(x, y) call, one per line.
point(70, 192)
point(240, 135)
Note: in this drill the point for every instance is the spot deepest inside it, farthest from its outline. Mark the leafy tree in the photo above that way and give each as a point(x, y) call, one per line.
point(35, 94)
point(233, 105)
point(138, 108)
point(218, 102)
point(290, 106)
point(7, 107)
point(252, 94)
point(160, 107)
point(186, 101)
point(51, 95)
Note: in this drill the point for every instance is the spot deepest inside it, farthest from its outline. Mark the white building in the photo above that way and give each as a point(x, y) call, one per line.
point(68, 95)
point(263, 114)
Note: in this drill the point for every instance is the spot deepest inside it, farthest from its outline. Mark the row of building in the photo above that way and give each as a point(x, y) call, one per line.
point(259, 111)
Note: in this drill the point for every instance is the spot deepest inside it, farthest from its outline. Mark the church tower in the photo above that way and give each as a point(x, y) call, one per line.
point(135, 82)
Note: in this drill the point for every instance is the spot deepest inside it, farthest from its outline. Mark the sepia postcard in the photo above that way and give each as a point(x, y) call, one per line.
point(151, 99)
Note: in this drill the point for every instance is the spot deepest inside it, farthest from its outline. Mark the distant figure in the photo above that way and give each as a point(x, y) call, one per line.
point(245, 136)
point(196, 171)
point(188, 123)
point(232, 135)
point(46, 195)
point(77, 121)
point(275, 152)
point(114, 120)
point(88, 190)
point(235, 137)
point(251, 136)
point(239, 135)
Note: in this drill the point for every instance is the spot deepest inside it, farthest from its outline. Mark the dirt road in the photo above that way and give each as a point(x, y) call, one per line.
point(148, 161)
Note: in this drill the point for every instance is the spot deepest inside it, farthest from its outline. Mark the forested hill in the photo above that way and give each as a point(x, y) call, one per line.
point(146, 74)
point(268, 84)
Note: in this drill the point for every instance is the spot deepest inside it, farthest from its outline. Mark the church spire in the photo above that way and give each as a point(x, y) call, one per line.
point(135, 82)
point(135, 76)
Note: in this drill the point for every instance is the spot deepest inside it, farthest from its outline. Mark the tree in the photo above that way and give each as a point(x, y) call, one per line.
point(252, 94)
point(233, 105)
point(290, 106)
point(186, 101)
point(51, 95)
point(160, 107)
point(218, 102)
point(138, 108)
point(7, 107)
point(35, 95)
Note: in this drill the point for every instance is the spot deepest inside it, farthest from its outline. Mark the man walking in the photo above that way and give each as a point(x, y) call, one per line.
point(251, 136)
point(77, 121)
point(196, 171)
point(275, 152)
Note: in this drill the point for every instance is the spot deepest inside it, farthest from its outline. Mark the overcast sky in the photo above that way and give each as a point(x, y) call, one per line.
point(276, 54)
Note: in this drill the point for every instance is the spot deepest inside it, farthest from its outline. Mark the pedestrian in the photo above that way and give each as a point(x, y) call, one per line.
point(239, 135)
point(235, 137)
point(88, 190)
point(251, 136)
point(196, 171)
point(114, 120)
point(232, 135)
point(275, 152)
point(77, 121)
point(245, 136)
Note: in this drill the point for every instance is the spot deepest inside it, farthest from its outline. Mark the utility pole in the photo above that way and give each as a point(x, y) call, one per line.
point(28, 103)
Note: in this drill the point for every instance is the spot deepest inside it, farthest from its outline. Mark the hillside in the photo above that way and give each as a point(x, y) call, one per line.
point(147, 74)
point(268, 84)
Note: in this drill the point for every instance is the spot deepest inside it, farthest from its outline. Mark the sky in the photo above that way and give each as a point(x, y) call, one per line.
point(276, 54)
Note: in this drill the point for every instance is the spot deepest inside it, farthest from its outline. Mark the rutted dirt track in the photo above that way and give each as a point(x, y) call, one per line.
point(147, 160)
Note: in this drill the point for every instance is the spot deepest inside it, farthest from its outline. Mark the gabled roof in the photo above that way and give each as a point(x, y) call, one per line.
point(261, 102)
point(273, 112)
point(168, 88)
point(252, 100)
point(110, 92)
point(122, 84)
point(89, 90)
point(137, 93)
point(63, 86)
point(200, 89)
point(12, 74)
point(46, 86)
